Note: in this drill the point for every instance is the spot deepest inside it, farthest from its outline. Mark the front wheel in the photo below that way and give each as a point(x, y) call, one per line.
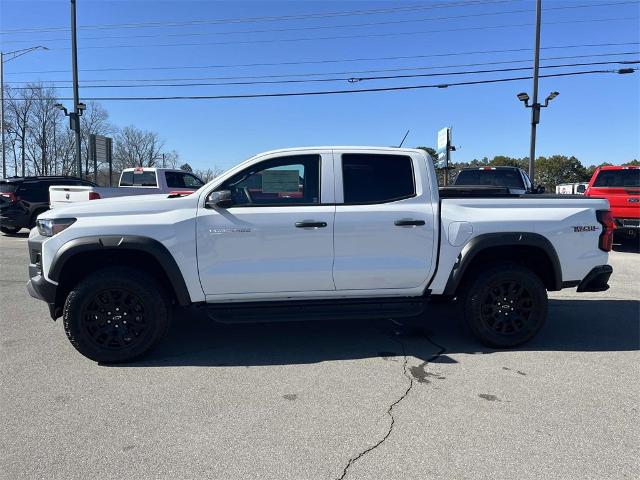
point(115, 315)
point(505, 306)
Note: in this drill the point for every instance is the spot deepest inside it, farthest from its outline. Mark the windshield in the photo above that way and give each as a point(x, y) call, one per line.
point(496, 178)
point(618, 178)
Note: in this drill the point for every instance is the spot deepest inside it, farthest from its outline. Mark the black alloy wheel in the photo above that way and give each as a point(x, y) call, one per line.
point(116, 314)
point(505, 306)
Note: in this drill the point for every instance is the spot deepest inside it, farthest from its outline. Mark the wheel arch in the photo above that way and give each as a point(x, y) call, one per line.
point(82, 256)
point(530, 249)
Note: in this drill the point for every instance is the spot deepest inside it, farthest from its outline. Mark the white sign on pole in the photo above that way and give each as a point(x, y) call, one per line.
point(443, 137)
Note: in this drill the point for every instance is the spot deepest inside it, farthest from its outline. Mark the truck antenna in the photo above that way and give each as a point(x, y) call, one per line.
point(404, 138)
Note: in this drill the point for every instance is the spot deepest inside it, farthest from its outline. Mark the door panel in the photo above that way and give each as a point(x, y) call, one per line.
point(371, 252)
point(277, 236)
point(383, 244)
point(260, 249)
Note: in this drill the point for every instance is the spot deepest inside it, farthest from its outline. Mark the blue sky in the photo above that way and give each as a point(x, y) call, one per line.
point(596, 117)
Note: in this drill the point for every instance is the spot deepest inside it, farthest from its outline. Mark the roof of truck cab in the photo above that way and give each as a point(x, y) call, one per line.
point(341, 147)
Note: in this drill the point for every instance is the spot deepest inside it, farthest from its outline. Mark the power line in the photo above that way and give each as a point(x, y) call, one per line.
point(337, 92)
point(345, 37)
point(261, 19)
point(326, 61)
point(320, 27)
point(349, 79)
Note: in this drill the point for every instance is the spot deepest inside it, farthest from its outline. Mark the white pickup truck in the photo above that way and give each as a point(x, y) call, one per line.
point(306, 233)
point(133, 181)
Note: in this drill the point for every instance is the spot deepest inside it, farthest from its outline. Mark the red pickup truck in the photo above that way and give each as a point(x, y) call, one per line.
point(621, 186)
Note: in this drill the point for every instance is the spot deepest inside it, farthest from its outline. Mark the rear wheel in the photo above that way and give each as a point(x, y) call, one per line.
point(10, 230)
point(116, 315)
point(505, 306)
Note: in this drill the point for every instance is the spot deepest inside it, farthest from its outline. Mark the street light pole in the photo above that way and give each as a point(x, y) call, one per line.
point(75, 115)
point(535, 108)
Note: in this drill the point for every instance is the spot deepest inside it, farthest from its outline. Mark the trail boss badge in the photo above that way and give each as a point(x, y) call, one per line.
point(585, 228)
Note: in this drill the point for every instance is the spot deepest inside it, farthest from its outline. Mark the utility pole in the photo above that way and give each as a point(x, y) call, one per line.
point(74, 117)
point(535, 108)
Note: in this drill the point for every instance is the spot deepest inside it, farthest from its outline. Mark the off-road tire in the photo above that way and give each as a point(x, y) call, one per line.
point(116, 314)
point(505, 306)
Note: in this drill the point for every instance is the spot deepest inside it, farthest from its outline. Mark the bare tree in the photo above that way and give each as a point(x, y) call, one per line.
point(19, 103)
point(137, 148)
point(208, 174)
point(42, 127)
point(94, 121)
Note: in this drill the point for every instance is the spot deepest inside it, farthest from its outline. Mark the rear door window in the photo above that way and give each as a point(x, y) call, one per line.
point(182, 180)
point(376, 178)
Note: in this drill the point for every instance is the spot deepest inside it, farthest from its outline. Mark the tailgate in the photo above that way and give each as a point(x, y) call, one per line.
point(61, 195)
point(624, 201)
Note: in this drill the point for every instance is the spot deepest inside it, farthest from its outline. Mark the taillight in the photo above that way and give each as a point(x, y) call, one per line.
point(605, 218)
point(13, 198)
point(94, 196)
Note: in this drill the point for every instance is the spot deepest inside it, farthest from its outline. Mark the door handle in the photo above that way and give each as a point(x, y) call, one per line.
point(409, 223)
point(311, 224)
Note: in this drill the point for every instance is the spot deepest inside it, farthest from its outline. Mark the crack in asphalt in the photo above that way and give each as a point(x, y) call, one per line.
point(389, 411)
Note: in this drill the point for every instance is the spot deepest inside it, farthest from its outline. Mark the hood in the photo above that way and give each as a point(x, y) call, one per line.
point(136, 205)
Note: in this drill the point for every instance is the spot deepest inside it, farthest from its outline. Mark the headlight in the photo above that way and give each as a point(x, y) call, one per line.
point(48, 227)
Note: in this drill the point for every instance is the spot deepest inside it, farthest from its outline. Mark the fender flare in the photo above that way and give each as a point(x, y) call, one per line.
point(103, 243)
point(506, 239)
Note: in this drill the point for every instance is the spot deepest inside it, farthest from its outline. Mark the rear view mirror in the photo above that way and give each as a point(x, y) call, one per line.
point(220, 199)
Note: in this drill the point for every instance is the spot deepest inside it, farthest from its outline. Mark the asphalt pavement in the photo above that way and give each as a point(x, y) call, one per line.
point(327, 400)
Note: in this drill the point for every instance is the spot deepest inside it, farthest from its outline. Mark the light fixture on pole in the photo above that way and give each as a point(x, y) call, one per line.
point(13, 55)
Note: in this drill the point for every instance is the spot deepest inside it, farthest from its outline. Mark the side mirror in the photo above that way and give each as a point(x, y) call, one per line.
point(540, 189)
point(220, 199)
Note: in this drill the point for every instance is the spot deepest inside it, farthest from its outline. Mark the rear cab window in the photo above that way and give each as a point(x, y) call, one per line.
point(618, 178)
point(139, 179)
point(377, 178)
point(490, 177)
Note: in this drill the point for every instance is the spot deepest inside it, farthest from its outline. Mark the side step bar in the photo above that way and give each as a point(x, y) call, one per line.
point(302, 310)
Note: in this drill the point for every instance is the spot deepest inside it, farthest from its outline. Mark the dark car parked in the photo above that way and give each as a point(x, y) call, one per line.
point(514, 178)
point(22, 199)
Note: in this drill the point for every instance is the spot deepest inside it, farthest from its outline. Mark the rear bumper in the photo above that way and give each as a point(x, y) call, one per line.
point(13, 217)
point(596, 280)
point(627, 226)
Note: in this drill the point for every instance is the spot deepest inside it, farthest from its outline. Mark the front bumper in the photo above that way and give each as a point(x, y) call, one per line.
point(596, 280)
point(38, 286)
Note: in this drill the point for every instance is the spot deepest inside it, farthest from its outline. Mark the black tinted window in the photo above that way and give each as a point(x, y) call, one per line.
point(6, 187)
point(618, 178)
point(496, 178)
point(279, 181)
point(182, 180)
point(34, 191)
point(375, 178)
